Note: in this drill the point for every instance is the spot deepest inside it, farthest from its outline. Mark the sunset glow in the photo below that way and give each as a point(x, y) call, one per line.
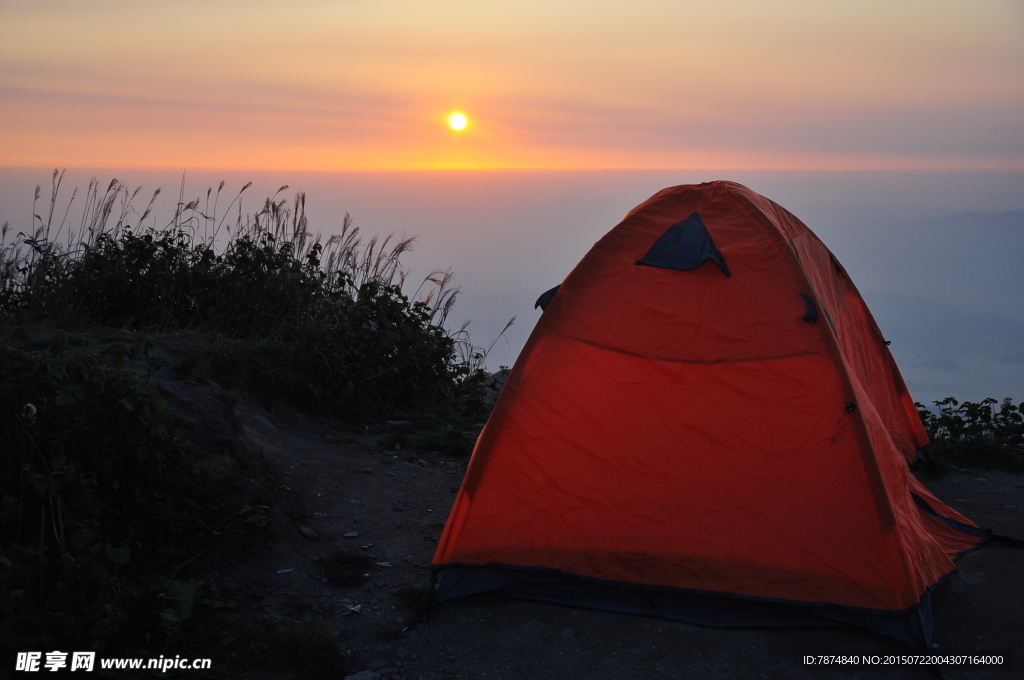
point(348, 86)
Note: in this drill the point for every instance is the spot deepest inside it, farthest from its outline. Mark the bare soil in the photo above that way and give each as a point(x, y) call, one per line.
point(340, 490)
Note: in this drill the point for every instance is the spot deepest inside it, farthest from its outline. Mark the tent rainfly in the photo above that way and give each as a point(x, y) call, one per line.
point(706, 425)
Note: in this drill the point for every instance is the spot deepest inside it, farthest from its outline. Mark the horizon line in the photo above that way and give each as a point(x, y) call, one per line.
point(1010, 167)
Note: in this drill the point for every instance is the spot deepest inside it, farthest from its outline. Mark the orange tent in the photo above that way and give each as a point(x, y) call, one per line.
point(706, 425)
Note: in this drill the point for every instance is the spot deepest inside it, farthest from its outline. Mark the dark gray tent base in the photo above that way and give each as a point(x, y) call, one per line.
point(912, 626)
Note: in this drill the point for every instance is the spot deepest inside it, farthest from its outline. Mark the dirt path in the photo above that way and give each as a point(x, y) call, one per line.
point(344, 492)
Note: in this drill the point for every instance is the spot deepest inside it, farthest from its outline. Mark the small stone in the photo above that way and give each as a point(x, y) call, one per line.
point(387, 670)
point(567, 633)
point(398, 447)
point(307, 532)
point(346, 600)
point(401, 652)
point(327, 592)
point(383, 564)
point(351, 534)
point(376, 665)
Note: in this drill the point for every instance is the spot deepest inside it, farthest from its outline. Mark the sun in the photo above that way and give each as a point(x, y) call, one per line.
point(457, 121)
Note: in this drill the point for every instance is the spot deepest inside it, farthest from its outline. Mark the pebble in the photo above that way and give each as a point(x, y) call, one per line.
point(376, 665)
point(401, 652)
point(383, 564)
point(567, 633)
point(351, 534)
point(307, 532)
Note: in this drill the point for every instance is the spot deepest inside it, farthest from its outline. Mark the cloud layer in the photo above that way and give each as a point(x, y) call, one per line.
point(366, 85)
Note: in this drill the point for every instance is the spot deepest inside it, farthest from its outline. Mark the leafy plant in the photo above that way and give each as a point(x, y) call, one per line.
point(182, 597)
point(985, 434)
point(98, 496)
point(103, 510)
point(324, 324)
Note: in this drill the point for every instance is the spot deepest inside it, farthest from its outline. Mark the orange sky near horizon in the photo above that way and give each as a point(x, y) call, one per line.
point(368, 85)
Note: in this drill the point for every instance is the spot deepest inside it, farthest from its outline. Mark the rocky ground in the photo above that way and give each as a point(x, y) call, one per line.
point(343, 491)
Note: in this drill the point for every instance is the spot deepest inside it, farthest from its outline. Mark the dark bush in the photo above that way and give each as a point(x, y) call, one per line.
point(986, 434)
point(325, 325)
point(102, 509)
point(97, 497)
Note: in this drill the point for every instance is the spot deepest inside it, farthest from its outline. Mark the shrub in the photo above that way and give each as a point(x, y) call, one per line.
point(326, 325)
point(985, 434)
point(97, 498)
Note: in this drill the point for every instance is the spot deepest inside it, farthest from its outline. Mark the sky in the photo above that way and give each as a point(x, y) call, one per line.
point(368, 84)
point(894, 129)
